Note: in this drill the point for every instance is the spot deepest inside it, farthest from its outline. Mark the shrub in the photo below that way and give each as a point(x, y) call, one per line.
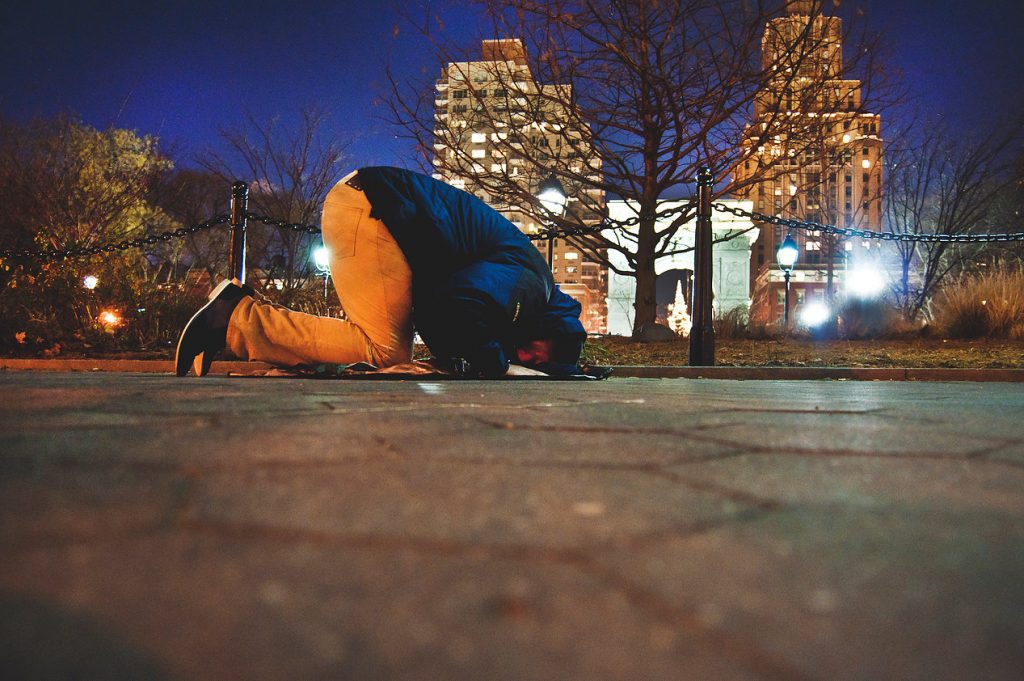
point(734, 323)
point(861, 319)
point(988, 305)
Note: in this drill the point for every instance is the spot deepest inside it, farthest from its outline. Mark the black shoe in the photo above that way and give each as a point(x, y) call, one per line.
point(206, 333)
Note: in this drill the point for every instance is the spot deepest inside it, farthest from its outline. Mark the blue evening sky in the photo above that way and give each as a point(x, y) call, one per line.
point(183, 70)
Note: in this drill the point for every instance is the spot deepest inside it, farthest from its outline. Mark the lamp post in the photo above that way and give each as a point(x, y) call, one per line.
point(552, 197)
point(702, 332)
point(322, 261)
point(786, 257)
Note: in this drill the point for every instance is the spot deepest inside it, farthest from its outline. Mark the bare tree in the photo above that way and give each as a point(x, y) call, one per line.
point(290, 172)
point(944, 185)
point(190, 197)
point(621, 98)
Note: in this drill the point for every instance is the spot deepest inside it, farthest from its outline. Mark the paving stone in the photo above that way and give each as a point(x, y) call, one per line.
point(159, 528)
point(444, 501)
point(849, 593)
point(210, 606)
point(870, 481)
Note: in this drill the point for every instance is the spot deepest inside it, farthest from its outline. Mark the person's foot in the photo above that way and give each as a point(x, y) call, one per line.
point(206, 333)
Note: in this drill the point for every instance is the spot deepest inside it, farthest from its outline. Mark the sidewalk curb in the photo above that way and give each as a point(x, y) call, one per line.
point(824, 373)
point(165, 366)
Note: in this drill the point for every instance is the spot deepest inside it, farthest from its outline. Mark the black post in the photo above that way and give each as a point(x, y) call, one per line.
point(239, 210)
point(702, 333)
point(551, 250)
point(786, 299)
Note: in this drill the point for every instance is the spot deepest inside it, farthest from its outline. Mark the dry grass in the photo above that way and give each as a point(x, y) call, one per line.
point(989, 305)
point(843, 353)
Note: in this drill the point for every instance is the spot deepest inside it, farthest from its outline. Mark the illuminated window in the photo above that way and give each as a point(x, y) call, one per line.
point(479, 153)
point(572, 256)
point(479, 137)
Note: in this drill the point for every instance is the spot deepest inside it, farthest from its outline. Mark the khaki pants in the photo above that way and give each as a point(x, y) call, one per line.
point(374, 285)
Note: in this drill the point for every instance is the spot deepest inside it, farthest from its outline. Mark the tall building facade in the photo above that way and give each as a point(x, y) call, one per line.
point(826, 168)
point(496, 127)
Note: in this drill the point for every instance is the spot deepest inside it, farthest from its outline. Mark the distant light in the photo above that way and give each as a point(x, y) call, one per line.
point(552, 196)
point(788, 253)
point(815, 314)
point(792, 190)
point(90, 282)
point(110, 319)
point(322, 260)
point(865, 282)
point(846, 138)
point(865, 164)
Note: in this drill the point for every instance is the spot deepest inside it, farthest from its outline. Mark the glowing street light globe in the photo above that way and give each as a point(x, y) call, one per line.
point(865, 282)
point(90, 282)
point(815, 314)
point(322, 260)
point(552, 196)
point(788, 253)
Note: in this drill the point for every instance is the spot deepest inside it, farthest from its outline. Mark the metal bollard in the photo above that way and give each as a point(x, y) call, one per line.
point(239, 212)
point(702, 333)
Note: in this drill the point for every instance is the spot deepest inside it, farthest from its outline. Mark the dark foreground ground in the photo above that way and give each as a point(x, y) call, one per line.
point(241, 528)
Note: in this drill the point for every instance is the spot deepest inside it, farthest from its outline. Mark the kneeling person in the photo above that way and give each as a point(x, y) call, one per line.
point(406, 251)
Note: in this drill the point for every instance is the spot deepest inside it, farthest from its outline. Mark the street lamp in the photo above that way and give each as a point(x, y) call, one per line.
point(786, 257)
point(322, 261)
point(90, 282)
point(552, 197)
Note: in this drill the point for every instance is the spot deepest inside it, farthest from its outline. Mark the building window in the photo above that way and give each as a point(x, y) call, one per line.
point(571, 255)
point(459, 94)
point(479, 153)
point(478, 138)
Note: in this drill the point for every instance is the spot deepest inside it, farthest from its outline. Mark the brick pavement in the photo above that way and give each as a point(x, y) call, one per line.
point(158, 528)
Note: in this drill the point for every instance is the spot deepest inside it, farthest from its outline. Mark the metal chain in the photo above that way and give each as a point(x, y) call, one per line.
point(53, 254)
point(868, 234)
point(608, 223)
point(283, 224)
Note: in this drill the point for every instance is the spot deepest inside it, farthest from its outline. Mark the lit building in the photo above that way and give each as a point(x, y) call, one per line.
point(496, 127)
point(827, 168)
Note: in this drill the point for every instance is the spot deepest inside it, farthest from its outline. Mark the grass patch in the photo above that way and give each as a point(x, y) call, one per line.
point(927, 353)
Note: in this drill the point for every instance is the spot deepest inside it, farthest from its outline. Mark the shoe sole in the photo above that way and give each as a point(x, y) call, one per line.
point(198, 365)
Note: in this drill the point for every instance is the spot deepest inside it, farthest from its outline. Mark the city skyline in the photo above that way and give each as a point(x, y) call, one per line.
point(185, 72)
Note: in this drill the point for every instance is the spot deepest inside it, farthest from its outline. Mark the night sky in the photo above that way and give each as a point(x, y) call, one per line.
point(182, 70)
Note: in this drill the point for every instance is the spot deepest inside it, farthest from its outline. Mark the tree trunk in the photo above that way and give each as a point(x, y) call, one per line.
point(646, 301)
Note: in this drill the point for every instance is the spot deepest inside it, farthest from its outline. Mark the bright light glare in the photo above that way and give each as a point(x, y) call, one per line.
point(110, 318)
point(814, 314)
point(553, 201)
point(90, 282)
point(322, 259)
point(865, 282)
point(788, 253)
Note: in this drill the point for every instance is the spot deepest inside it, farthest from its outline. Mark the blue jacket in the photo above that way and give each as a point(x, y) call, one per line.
point(480, 288)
